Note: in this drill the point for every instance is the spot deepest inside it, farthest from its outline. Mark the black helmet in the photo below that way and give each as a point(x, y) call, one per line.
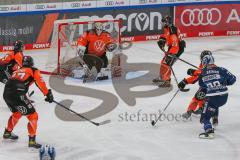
point(18, 46)
point(28, 61)
point(204, 53)
point(167, 20)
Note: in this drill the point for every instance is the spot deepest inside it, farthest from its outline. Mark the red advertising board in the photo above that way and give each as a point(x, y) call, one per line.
point(208, 20)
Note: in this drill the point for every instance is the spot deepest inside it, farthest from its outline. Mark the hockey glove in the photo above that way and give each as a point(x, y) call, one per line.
point(3, 67)
point(49, 97)
point(191, 71)
point(81, 50)
point(161, 43)
point(200, 94)
point(170, 59)
point(182, 84)
point(111, 47)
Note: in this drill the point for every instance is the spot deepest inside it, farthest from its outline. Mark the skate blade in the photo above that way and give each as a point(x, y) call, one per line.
point(210, 136)
point(9, 140)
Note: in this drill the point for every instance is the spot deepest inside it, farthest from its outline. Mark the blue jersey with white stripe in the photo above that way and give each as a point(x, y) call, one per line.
point(215, 80)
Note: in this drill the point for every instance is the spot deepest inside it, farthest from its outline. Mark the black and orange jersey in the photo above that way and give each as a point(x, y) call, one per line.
point(28, 76)
point(12, 61)
point(172, 36)
point(194, 78)
point(95, 44)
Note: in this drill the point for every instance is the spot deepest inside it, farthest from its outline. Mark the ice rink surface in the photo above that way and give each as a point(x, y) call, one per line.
point(136, 139)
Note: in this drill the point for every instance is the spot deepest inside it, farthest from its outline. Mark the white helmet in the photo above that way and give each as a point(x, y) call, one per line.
point(207, 60)
point(98, 26)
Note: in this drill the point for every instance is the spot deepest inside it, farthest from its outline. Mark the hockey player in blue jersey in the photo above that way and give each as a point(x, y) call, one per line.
point(213, 82)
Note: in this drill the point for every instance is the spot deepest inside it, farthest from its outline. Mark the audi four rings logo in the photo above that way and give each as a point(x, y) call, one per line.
point(109, 3)
point(204, 16)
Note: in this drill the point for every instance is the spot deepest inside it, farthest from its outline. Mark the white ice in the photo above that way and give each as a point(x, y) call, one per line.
point(133, 140)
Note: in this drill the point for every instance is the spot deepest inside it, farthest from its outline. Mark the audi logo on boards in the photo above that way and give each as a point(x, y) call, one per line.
point(40, 7)
point(109, 3)
point(75, 5)
point(4, 8)
point(204, 16)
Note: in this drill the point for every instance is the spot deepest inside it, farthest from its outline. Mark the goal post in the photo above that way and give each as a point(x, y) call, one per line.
point(62, 56)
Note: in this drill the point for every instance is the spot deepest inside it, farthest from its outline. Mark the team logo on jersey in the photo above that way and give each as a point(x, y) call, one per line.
point(99, 45)
point(22, 110)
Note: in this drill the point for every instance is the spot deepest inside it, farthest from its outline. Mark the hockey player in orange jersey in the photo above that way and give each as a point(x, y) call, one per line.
point(96, 42)
point(196, 105)
point(11, 62)
point(171, 38)
point(92, 46)
point(15, 97)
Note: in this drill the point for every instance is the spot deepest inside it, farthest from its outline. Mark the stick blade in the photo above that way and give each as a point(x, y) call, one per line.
point(104, 122)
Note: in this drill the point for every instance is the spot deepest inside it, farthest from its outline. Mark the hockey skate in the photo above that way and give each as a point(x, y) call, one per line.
point(157, 80)
point(208, 134)
point(33, 144)
point(9, 135)
point(164, 84)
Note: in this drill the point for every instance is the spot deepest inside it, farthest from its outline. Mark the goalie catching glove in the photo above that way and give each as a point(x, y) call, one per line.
point(111, 47)
point(49, 97)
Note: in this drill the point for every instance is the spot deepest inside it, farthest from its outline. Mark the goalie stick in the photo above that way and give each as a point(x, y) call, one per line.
point(81, 116)
point(82, 62)
point(87, 71)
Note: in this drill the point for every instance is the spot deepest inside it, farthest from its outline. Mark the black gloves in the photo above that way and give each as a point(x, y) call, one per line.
point(182, 84)
point(170, 59)
point(49, 97)
point(161, 42)
point(191, 71)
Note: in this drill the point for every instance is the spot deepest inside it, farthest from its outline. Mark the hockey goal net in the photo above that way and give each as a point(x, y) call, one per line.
point(63, 57)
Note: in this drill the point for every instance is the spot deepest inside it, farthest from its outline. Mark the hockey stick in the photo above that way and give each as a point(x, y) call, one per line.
point(181, 89)
point(180, 59)
point(159, 117)
point(81, 116)
point(31, 93)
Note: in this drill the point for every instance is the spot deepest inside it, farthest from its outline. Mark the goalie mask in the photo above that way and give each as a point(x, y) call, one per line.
point(98, 26)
